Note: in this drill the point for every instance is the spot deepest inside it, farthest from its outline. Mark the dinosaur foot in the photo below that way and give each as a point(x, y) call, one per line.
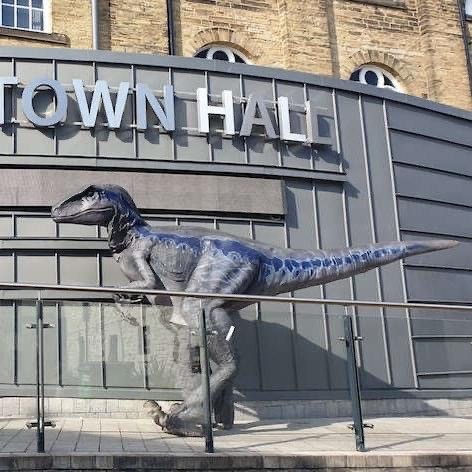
point(172, 423)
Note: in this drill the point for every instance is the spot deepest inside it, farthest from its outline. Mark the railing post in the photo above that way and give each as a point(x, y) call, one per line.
point(39, 377)
point(205, 366)
point(40, 422)
point(354, 384)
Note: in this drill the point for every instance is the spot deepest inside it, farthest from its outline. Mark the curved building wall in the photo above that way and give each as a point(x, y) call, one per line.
point(383, 166)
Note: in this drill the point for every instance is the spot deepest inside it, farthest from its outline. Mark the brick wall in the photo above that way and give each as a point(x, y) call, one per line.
point(419, 41)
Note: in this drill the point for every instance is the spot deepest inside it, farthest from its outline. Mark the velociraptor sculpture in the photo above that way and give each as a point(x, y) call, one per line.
point(200, 260)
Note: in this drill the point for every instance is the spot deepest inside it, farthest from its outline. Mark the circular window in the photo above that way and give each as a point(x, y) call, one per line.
point(373, 75)
point(221, 53)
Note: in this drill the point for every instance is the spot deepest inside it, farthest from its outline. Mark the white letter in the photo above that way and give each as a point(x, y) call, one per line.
point(284, 123)
point(204, 110)
point(61, 102)
point(101, 94)
point(5, 81)
point(144, 96)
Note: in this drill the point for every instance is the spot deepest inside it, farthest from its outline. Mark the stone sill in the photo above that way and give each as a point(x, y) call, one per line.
point(34, 35)
point(398, 4)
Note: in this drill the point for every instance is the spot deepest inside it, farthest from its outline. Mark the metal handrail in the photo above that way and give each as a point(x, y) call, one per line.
point(224, 296)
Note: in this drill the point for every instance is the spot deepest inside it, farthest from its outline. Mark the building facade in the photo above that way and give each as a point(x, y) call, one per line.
point(420, 44)
point(334, 163)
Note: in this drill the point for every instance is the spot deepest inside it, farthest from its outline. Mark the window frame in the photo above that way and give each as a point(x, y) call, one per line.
point(228, 50)
point(47, 16)
point(380, 72)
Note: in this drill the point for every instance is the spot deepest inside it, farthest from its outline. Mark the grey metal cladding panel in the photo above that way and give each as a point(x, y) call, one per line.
point(329, 210)
point(117, 143)
point(325, 157)
point(188, 81)
point(310, 337)
point(429, 152)
point(7, 346)
point(383, 210)
point(67, 71)
point(261, 152)
point(76, 231)
point(114, 74)
point(361, 231)
point(154, 144)
point(433, 185)
point(123, 348)
point(439, 218)
point(6, 131)
point(36, 268)
point(429, 285)
point(150, 190)
point(154, 77)
point(33, 226)
point(227, 149)
point(459, 257)
point(449, 382)
point(440, 355)
point(275, 327)
point(6, 226)
point(26, 339)
point(440, 322)
point(219, 82)
point(81, 344)
point(191, 148)
point(261, 87)
point(78, 269)
point(7, 268)
point(111, 275)
point(429, 123)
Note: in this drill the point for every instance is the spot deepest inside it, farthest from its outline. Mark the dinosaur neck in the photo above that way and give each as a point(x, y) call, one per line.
point(125, 226)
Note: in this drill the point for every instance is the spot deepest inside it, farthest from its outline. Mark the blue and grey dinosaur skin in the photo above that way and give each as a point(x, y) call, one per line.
point(210, 261)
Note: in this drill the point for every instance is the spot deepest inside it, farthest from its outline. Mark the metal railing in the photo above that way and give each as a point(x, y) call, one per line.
point(46, 291)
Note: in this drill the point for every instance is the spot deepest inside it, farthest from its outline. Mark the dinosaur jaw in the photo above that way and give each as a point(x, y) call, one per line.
point(89, 216)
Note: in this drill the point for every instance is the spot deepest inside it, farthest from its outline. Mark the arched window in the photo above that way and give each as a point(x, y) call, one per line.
point(373, 75)
point(221, 53)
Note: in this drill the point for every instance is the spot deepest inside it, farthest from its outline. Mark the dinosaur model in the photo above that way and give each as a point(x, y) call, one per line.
point(210, 261)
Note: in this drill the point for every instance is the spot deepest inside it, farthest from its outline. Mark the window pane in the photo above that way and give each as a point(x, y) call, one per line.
point(22, 18)
point(37, 3)
point(202, 54)
point(220, 56)
point(23, 3)
point(7, 16)
point(371, 78)
point(37, 18)
point(7, 2)
point(239, 59)
point(355, 75)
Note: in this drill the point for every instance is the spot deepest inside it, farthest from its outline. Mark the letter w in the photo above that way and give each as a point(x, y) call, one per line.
point(101, 94)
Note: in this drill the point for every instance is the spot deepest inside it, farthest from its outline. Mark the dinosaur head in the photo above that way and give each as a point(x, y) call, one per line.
point(95, 205)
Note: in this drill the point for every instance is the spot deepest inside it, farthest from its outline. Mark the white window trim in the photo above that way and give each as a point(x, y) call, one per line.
point(213, 48)
point(468, 7)
point(47, 19)
point(380, 75)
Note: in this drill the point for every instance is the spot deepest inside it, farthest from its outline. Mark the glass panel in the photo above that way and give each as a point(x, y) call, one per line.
point(355, 76)
point(37, 19)
point(37, 3)
point(7, 2)
point(220, 56)
point(22, 3)
point(7, 16)
point(371, 78)
point(22, 19)
point(202, 54)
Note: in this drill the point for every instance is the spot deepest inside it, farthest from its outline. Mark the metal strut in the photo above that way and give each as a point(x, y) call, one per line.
point(40, 422)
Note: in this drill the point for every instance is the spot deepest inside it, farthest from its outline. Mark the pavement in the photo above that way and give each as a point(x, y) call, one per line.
point(302, 437)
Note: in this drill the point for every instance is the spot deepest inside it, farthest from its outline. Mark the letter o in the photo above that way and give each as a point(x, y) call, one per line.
point(61, 102)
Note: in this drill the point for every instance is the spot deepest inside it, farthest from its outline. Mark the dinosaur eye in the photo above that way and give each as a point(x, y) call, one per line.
point(91, 197)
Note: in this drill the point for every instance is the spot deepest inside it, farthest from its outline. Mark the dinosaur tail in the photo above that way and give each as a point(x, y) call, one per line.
point(320, 267)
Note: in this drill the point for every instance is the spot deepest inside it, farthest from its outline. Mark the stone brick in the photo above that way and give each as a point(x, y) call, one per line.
point(418, 41)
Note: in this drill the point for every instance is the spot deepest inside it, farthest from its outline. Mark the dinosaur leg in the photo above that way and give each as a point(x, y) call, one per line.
point(214, 275)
